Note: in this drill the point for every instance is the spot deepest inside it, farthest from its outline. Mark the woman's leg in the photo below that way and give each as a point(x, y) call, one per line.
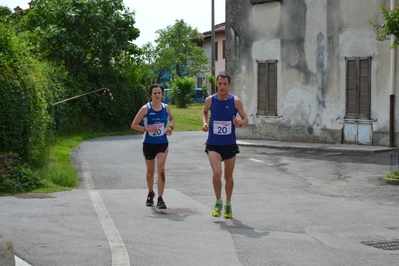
point(150, 174)
point(161, 160)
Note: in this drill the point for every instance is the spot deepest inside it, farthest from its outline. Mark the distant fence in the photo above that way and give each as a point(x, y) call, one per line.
point(394, 163)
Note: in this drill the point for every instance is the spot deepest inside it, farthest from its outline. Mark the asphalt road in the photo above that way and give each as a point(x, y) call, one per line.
point(291, 207)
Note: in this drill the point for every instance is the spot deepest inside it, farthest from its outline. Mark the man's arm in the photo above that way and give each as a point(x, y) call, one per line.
point(205, 115)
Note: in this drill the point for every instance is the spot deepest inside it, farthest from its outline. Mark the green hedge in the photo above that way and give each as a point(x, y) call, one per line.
point(23, 106)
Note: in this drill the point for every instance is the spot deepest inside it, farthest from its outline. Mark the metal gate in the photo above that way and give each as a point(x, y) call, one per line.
point(358, 132)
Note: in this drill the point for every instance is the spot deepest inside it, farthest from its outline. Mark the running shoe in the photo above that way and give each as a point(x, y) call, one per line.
point(150, 199)
point(217, 210)
point(228, 213)
point(161, 204)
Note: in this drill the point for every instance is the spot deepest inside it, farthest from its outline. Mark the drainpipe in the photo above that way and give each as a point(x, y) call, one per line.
point(213, 86)
point(392, 91)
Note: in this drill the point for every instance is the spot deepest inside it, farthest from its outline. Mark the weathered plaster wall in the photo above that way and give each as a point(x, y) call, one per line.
point(310, 40)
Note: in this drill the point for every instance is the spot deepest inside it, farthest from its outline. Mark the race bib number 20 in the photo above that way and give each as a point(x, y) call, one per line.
point(160, 130)
point(222, 127)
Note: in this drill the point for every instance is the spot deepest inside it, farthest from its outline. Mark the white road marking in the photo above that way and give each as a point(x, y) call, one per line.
point(87, 176)
point(120, 257)
point(20, 262)
point(255, 160)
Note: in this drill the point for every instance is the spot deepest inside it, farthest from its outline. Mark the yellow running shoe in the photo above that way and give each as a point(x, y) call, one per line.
point(217, 210)
point(228, 213)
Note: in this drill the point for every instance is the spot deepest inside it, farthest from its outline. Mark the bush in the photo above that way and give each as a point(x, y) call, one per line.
point(182, 91)
point(393, 175)
point(22, 179)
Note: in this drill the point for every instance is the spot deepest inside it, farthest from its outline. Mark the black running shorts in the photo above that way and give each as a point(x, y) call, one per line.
point(151, 150)
point(226, 151)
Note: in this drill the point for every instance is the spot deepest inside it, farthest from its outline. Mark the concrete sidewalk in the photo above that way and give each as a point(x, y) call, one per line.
point(343, 148)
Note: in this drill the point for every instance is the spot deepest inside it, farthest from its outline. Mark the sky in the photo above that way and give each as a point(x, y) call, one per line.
point(152, 15)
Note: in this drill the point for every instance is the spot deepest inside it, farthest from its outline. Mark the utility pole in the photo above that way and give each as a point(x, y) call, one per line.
point(213, 87)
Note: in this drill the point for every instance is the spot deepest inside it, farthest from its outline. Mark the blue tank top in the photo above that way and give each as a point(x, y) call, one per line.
point(221, 127)
point(157, 119)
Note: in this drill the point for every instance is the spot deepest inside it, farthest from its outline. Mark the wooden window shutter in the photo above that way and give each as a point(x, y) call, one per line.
point(272, 88)
point(224, 49)
point(262, 88)
point(364, 88)
point(351, 89)
point(358, 88)
point(267, 88)
point(216, 51)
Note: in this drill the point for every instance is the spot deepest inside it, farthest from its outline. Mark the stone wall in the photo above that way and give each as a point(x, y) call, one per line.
point(5, 160)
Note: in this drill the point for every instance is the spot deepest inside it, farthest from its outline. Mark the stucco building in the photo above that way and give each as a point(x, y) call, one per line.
point(220, 51)
point(313, 71)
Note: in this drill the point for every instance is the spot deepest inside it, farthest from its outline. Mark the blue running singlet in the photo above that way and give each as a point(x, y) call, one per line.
point(221, 127)
point(157, 119)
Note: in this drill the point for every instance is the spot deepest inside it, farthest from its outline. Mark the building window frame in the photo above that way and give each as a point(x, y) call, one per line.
point(358, 88)
point(267, 87)
point(224, 49)
point(199, 81)
point(216, 51)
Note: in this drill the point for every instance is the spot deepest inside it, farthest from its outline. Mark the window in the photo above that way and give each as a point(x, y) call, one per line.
point(358, 88)
point(199, 82)
point(254, 2)
point(267, 88)
point(224, 49)
point(216, 51)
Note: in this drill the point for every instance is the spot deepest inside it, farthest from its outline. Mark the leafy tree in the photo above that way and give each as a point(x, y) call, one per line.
point(390, 27)
point(177, 52)
point(92, 41)
point(148, 59)
point(82, 34)
point(4, 11)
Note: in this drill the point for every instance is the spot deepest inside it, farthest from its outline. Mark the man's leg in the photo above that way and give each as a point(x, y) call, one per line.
point(215, 161)
point(216, 164)
point(228, 176)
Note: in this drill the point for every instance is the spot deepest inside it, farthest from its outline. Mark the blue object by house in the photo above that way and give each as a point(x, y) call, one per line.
point(199, 95)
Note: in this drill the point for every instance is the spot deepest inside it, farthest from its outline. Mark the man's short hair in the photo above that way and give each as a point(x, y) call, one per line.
point(224, 74)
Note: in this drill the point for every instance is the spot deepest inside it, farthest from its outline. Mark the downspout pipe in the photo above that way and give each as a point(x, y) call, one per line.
point(213, 85)
point(392, 90)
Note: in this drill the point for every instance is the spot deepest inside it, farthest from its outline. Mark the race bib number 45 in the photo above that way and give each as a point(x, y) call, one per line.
point(222, 127)
point(160, 130)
